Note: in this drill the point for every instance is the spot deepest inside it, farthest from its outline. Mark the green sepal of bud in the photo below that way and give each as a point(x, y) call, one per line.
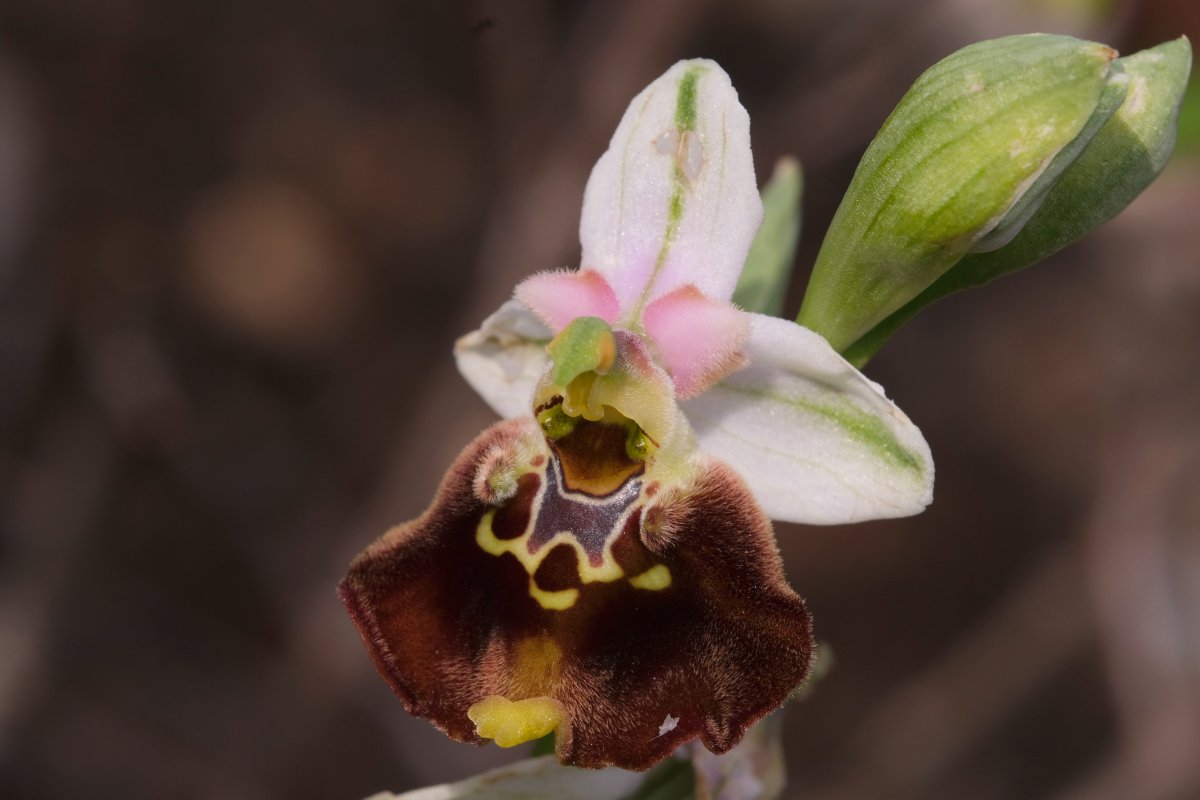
point(587, 344)
point(1116, 86)
point(965, 144)
point(763, 285)
point(1120, 161)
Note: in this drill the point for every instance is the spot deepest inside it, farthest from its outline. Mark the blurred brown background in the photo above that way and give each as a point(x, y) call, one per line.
point(237, 241)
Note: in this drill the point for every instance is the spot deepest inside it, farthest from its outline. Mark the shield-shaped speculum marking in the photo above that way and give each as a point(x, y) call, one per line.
point(571, 505)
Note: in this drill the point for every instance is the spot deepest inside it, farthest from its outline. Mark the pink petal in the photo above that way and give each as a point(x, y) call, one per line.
point(698, 339)
point(559, 297)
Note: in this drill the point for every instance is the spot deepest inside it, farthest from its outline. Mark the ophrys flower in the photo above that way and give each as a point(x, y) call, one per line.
point(601, 564)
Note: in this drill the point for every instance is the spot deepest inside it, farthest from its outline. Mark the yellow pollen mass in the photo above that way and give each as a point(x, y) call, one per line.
point(511, 723)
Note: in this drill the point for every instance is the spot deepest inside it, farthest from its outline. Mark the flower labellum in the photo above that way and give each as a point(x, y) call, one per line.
point(602, 564)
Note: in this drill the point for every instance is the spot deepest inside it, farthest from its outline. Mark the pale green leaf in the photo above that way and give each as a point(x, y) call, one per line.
point(764, 282)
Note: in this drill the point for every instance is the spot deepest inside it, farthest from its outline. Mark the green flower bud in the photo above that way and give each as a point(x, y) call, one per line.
point(1126, 154)
point(976, 134)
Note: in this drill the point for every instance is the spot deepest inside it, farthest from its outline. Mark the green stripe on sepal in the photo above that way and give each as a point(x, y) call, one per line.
point(763, 284)
point(685, 103)
point(964, 145)
point(687, 158)
point(1121, 160)
point(866, 429)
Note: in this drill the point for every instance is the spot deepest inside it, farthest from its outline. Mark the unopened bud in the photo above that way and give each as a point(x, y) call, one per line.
point(951, 165)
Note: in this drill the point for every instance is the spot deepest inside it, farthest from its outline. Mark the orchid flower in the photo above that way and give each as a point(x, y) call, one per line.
point(602, 564)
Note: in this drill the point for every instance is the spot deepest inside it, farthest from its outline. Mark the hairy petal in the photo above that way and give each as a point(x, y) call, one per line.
point(698, 339)
point(505, 358)
point(816, 441)
point(559, 297)
point(649, 615)
point(674, 199)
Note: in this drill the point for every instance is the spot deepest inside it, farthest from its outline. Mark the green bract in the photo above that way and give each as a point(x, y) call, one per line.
point(1126, 154)
point(950, 166)
point(764, 281)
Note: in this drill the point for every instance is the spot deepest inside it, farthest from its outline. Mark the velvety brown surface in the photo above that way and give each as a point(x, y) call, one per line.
point(723, 645)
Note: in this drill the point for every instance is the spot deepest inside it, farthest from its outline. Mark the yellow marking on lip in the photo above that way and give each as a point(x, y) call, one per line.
point(654, 579)
point(559, 600)
point(608, 571)
point(537, 665)
point(511, 723)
